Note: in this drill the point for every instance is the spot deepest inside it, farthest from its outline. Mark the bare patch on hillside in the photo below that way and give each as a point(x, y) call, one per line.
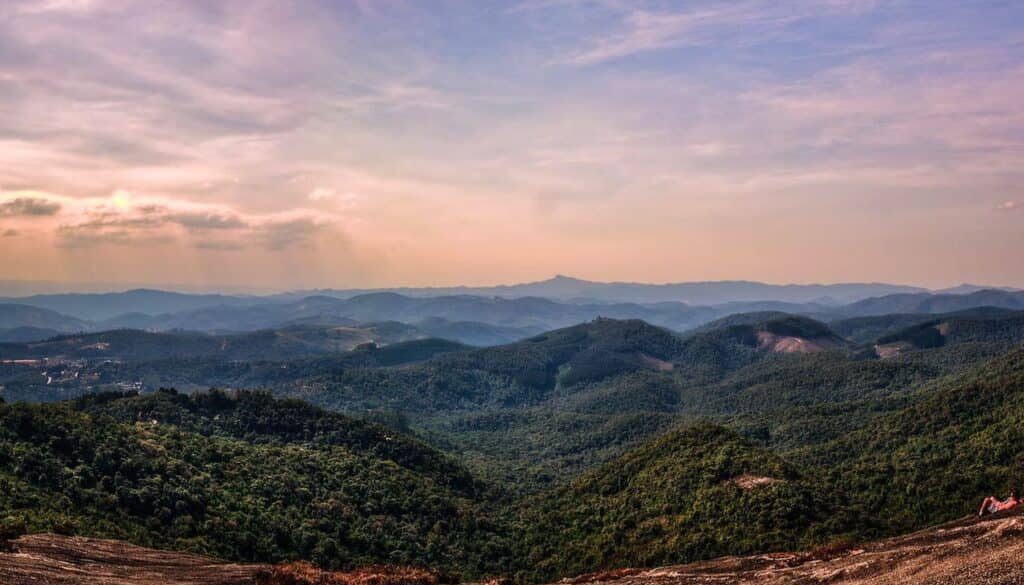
point(787, 344)
point(889, 350)
point(656, 364)
point(750, 482)
point(98, 346)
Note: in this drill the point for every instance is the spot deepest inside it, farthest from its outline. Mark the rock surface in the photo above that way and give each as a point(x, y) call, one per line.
point(967, 552)
point(48, 559)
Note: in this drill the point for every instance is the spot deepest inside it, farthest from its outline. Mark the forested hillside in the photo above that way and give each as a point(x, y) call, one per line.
point(605, 444)
point(929, 462)
point(289, 343)
point(694, 493)
point(23, 322)
point(1004, 328)
point(704, 491)
point(546, 408)
point(242, 478)
point(869, 329)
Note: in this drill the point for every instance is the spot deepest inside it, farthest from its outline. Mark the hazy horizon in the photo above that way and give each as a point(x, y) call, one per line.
point(18, 288)
point(263, 146)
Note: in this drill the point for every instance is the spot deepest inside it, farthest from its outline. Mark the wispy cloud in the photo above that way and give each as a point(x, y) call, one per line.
point(54, 6)
point(731, 24)
point(447, 142)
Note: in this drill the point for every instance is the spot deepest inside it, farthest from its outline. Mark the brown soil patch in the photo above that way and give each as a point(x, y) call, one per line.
point(786, 344)
point(656, 364)
point(601, 576)
point(750, 482)
point(889, 350)
point(306, 574)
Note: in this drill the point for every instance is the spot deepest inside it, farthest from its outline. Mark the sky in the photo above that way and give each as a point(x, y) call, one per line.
point(285, 145)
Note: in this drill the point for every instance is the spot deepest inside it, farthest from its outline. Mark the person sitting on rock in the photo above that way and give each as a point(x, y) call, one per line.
point(991, 504)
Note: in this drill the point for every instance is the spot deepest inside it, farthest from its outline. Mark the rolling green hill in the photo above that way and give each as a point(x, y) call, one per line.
point(933, 303)
point(1005, 328)
point(703, 491)
point(14, 316)
point(297, 341)
point(257, 417)
point(611, 443)
point(694, 493)
point(539, 411)
point(933, 460)
point(869, 329)
point(244, 478)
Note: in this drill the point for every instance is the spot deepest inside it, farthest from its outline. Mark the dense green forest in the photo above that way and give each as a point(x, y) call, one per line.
point(697, 492)
point(683, 496)
point(271, 345)
point(605, 444)
point(242, 477)
point(930, 461)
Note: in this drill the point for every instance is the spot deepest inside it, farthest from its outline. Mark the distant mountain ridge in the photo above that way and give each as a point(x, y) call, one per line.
point(480, 316)
point(14, 315)
point(967, 288)
point(25, 323)
point(934, 303)
point(567, 288)
point(100, 306)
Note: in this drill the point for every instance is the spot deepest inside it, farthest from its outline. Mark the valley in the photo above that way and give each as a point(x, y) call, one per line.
point(611, 443)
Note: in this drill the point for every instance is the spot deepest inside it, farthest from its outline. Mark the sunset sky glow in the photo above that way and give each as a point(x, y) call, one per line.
point(284, 145)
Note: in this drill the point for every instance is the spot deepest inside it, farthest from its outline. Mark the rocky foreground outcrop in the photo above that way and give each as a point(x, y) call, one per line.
point(49, 559)
point(967, 552)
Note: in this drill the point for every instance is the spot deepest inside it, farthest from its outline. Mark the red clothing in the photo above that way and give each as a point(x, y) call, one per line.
point(997, 506)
